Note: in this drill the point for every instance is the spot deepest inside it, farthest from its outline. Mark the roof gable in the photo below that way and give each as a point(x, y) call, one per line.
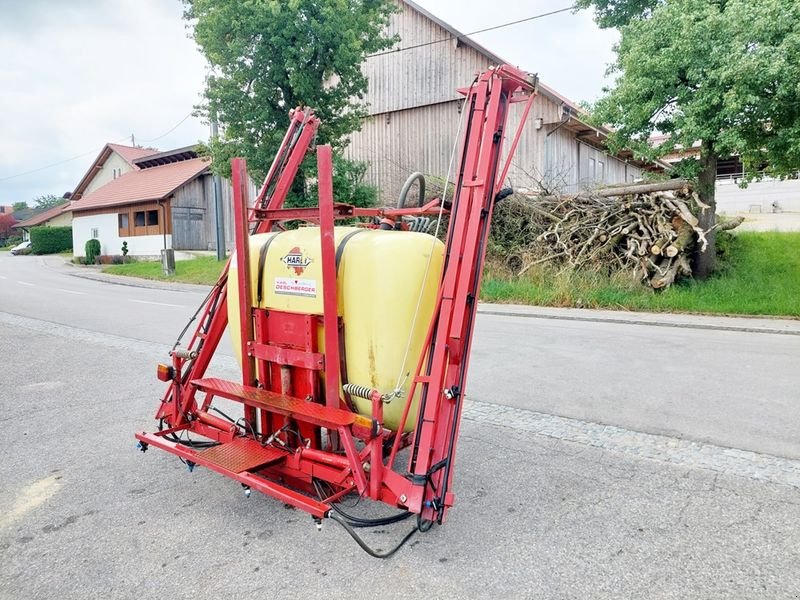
point(128, 153)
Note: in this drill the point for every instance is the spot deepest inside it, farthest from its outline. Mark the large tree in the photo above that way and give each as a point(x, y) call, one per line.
point(268, 56)
point(721, 73)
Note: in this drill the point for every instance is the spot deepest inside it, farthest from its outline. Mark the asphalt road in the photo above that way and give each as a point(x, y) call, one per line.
point(730, 388)
point(593, 463)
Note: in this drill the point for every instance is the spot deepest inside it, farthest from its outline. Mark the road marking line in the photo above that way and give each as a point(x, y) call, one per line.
point(69, 291)
point(26, 283)
point(32, 496)
point(158, 303)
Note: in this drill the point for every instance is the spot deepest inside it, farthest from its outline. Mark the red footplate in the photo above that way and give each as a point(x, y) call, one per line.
point(242, 454)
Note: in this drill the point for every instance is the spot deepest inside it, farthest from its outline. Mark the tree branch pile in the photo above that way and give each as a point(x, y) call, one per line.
point(647, 230)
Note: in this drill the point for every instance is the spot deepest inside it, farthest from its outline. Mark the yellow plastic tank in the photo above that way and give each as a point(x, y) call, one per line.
point(382, 277)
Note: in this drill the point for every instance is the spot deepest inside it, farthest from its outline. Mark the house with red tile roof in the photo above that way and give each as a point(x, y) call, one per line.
point(149, 199)
point(57, 216)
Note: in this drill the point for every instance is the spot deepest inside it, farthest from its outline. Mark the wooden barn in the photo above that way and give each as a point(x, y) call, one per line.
point(414, 115)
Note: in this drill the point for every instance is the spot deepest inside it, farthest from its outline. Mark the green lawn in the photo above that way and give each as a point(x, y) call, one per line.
point(761, 276)
point(203, 270)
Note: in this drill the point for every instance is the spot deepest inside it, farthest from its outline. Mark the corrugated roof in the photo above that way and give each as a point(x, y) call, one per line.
point(46, 215)
point(146, 185)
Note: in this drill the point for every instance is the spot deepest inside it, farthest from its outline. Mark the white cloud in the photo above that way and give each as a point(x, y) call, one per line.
point(75, 75)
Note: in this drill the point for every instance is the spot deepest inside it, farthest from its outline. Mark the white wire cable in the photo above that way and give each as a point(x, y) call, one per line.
point(404, 374)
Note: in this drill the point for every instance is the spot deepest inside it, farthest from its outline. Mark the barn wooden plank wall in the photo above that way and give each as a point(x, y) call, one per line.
point(414, 116)
point(193, 218)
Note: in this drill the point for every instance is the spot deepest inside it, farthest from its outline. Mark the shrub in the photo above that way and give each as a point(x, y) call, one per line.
point(92, 249)
point(49, 240)
point(124, 248)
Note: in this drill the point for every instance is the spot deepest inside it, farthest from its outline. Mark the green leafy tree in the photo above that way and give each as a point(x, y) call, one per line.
point(48, 201)
point(720, 72)
point(616, 13)
point(269, 56)
point(19, 206)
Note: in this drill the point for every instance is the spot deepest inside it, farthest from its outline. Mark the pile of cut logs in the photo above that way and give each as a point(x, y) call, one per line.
point(649, 230)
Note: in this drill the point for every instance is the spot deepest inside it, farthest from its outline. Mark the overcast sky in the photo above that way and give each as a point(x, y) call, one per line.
point(75, 74)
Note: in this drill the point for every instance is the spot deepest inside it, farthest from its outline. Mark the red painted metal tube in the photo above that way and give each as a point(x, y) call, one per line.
point(214, 421)
point(242, 237)
point(327, 458)
point(330, 302)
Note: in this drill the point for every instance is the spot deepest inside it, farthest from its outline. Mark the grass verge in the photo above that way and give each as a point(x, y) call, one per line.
point(202, 270)
point(759, 276)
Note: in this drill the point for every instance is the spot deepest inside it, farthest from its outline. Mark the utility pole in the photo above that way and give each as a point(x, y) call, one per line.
point(133, 141)
point(218, 211)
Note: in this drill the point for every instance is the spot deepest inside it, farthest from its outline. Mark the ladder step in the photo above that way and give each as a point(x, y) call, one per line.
point(242, 454)
point(310, 412)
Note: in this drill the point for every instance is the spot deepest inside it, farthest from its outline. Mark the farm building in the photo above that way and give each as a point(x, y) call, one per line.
point(414, 112)
point(149, 199)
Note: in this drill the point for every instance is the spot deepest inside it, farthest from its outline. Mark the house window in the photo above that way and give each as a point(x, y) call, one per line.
point(94, 233)
point(123, 223)
point(138, 219)
point(152, 217)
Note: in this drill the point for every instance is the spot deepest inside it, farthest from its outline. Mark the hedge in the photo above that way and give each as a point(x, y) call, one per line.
point(49, 240)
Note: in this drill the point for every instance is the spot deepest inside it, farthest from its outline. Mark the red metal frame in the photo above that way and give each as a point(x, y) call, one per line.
point(298, 430)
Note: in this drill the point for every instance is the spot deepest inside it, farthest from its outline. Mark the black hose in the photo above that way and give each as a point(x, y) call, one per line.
point(364, 546)
point(378, 522)
point(355, 521)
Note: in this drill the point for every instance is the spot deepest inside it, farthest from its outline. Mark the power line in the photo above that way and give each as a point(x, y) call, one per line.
point(55, 164)
point(170, 131)
point(463, 35)
point(77, 156)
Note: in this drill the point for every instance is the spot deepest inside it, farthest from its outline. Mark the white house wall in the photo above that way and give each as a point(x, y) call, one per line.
point(758, 197)
point(106, 173)
point(62, 220)
point(107, 226)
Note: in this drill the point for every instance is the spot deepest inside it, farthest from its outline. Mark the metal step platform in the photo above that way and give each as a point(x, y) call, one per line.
point(241, 454)
point(310, 412)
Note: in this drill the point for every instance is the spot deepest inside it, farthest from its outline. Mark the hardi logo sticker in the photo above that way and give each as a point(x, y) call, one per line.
point(295, 260)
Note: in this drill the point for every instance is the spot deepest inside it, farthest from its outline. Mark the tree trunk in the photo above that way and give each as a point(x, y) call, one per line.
point(704, 262)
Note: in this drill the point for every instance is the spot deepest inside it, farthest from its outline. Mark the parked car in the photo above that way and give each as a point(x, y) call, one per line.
point(21, 248)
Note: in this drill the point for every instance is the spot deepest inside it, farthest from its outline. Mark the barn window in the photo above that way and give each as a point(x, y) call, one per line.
point(152, 217)
point(138, 219)
point(123, 223)
point(601, 171)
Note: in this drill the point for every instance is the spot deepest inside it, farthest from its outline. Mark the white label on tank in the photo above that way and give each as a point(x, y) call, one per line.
point(296, 287)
